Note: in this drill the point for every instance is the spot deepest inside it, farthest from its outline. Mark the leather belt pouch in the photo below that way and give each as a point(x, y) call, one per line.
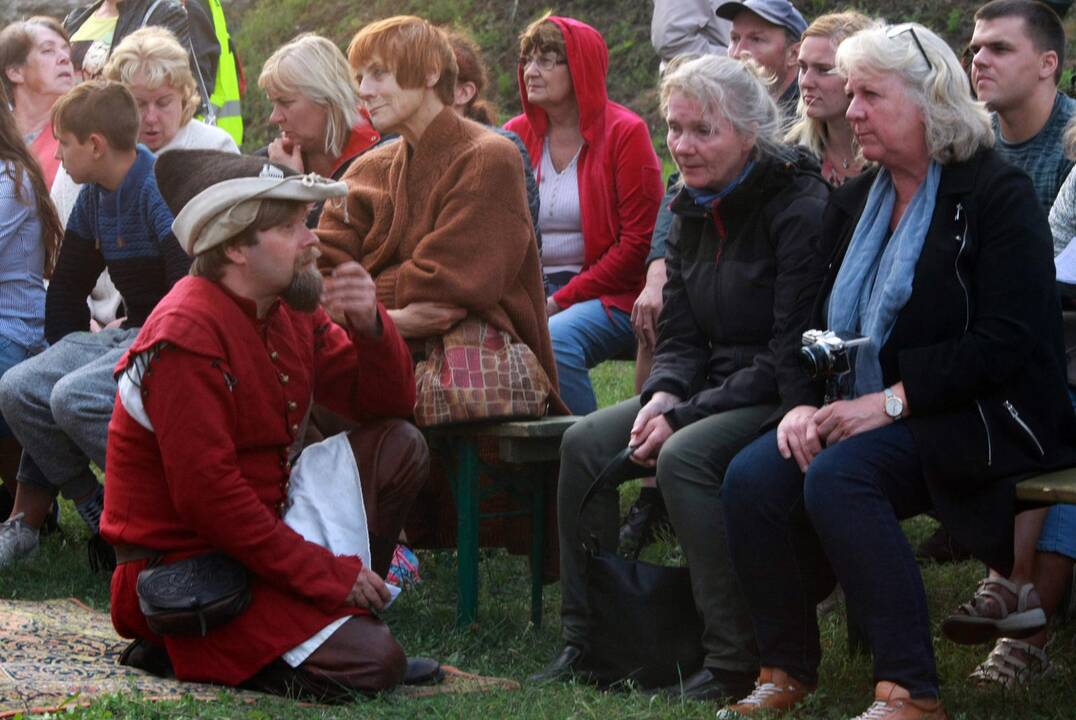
point(194, 595)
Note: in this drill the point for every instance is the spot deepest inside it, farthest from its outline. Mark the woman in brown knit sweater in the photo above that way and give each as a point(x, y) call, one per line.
point(440, 219)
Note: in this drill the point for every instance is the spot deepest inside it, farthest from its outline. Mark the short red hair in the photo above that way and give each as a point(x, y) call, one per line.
point(412, 49)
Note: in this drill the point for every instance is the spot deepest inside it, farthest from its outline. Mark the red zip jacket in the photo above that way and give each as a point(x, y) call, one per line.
point(620, 187)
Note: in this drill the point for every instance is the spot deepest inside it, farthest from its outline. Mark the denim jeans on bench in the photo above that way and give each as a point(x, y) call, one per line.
point(790, 534)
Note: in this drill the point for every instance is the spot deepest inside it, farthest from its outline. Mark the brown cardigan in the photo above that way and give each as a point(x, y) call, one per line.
point(446, 221)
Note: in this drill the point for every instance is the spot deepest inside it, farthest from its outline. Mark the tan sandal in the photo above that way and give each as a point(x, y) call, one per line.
point(969, 625)
point(1011, 663)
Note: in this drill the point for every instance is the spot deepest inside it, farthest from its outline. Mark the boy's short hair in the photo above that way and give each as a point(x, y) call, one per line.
point(104, 107)
point(1041, 23)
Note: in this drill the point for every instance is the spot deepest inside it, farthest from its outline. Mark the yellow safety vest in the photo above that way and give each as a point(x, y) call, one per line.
point(224, 109)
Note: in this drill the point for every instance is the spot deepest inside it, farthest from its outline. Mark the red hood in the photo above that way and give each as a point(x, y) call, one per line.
point(588, 63)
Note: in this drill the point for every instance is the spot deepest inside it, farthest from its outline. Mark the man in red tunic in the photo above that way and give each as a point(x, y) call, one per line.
point(212, 410)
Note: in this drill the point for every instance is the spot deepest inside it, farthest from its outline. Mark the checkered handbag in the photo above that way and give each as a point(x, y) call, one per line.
point(476, 372)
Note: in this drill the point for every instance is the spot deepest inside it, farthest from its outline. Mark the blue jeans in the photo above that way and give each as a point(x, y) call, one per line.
point(791, 534)
point(584, 335)
point(1059, 531)
point(11, 354)
point(58, 403)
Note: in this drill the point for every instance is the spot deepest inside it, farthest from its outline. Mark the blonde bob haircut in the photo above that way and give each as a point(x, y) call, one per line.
point(957, 125)
point(312, 66)
point(412, 49)
point(154, 56)
point(808, 131)
point(729, 88)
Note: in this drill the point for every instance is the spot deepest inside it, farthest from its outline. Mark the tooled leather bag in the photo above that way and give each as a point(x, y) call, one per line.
point(476, 372)
point(194, 595)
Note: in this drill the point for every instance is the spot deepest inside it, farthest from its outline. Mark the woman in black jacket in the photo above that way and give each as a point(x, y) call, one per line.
point(943, 261)
point(743, 266)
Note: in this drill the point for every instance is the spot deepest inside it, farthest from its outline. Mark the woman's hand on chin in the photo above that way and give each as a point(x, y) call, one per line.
point(797, 436)
point(844, 418)
point(425, 319)
point(284, 152)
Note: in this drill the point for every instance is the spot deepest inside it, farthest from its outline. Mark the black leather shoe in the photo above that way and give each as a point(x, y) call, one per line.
point(706, 684)
point(646, 517)
point(146, 656)
point(562, 667)
point(423, 671)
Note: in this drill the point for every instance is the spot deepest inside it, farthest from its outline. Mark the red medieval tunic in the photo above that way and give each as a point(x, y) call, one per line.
point(226, 394)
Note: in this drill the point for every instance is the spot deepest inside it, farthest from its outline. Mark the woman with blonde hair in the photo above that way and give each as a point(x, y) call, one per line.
point(316, 106)
point(941, 263)
point(820, 123)
point(742, 265)
point(156, 69)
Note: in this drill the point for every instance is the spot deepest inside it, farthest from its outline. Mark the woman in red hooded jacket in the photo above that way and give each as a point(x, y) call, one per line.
point(600, 185)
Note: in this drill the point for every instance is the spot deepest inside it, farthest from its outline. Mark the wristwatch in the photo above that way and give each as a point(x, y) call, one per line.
point(894, 404)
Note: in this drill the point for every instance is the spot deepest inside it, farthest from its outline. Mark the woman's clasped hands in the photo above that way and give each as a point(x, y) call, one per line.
point(805, 430)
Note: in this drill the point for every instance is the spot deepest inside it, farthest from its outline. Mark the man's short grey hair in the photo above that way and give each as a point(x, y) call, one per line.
point(733, 89)
point(315, 68)
point(957, 125)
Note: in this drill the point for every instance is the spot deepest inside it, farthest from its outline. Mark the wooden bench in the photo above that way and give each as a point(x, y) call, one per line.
point(533, 445)
point(1050, 488)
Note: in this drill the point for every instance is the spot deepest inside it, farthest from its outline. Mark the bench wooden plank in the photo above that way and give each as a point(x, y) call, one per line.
point(1055, 487)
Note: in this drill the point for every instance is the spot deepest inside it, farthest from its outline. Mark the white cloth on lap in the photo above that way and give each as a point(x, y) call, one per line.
point(325, 506)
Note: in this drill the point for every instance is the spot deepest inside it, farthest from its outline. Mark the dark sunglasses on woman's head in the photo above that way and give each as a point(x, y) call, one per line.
point(907, 28)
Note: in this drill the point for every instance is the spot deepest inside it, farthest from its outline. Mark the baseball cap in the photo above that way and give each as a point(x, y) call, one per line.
point(778, 12)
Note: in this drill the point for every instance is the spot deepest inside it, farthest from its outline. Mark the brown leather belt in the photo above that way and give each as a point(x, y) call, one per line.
point(129, 553)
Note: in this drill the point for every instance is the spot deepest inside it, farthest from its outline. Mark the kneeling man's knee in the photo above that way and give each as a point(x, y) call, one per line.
point(393, 451)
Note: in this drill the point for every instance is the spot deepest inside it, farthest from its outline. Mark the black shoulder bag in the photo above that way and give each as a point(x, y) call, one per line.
point(643, 625)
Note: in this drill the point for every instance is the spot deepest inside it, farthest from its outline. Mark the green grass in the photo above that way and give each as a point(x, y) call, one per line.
point(504, 643)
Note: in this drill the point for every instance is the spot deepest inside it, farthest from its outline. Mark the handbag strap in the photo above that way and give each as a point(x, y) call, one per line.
point(617, 472)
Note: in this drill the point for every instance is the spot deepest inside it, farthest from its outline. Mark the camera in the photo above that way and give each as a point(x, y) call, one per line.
point(824, 353)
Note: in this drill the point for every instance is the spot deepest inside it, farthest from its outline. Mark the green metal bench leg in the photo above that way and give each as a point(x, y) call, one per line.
point(537, 547)
point(467, 532)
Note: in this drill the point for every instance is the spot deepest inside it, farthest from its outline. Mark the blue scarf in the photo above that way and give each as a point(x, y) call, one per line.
point(703, 198)
point(875, 279)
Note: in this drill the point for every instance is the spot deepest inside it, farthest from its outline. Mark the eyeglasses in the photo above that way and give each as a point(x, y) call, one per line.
point(907, 28)
point(545, 63)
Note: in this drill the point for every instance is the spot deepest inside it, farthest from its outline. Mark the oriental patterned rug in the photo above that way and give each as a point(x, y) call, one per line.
point(57, 653)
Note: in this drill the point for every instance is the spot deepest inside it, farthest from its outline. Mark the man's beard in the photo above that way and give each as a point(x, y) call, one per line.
point(304, 292)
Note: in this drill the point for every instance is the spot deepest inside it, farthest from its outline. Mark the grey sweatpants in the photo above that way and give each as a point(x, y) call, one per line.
point(690, 468)
point(59, 403)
